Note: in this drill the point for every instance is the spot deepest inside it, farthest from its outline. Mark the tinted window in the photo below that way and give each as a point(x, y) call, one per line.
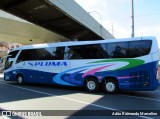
point(73, 52)
point(41, 54)
point(129, 49)
point(94, 51)
point(13, 54)
point(118, 50)
point(50, 53)
point(139, 48)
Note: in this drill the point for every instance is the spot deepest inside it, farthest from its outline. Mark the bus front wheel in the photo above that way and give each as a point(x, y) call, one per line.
point(91, 85)
point(110, 86)
point(20, 79)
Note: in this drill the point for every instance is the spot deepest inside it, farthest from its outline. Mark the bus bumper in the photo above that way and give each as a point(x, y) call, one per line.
point(9, 77)
point(140, 86)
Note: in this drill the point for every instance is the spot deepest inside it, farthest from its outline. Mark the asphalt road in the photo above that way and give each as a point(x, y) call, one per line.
point(67, 102)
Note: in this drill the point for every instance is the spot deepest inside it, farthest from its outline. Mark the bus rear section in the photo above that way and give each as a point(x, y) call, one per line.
point(142, 75)
point(139, 78)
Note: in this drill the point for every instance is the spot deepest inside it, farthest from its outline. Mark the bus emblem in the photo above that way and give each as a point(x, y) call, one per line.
point(55, 64)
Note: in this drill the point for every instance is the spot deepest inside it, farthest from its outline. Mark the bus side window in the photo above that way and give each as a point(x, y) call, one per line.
point(118, 50)
point(139, 48)
point(73, 52)
point(95, 51)
point(53, 53)
point(59, 53)
point(50, 53)
point(24, 55)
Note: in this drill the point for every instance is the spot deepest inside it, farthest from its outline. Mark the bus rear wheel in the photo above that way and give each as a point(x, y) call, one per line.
point(110, 86)
point(91, 85)
point(20, 80)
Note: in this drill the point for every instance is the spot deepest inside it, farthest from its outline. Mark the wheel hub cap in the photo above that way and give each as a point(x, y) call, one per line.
point(110, 86)
point(19, 80)
point(91, 85)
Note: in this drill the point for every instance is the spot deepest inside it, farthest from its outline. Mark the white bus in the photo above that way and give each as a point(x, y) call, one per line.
point(118, 64)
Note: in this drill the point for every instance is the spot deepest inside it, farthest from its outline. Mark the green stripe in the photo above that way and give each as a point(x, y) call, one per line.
point(132, 62)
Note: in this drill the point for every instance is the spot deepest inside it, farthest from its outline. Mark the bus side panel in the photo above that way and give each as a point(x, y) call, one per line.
point(137, 78)
point(31, 76)
point(140, 78)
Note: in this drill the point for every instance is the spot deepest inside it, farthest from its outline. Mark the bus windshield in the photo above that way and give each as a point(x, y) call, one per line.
point(8, 63)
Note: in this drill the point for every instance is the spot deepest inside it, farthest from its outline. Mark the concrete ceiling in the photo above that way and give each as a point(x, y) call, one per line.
point(26, 33)
point(63, 17)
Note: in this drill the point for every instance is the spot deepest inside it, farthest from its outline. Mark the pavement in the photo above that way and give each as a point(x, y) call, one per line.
point(66, 102)
point(1, 75)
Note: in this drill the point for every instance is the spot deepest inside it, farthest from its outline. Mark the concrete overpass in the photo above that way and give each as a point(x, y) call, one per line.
point(26, 33)
point(63, 17)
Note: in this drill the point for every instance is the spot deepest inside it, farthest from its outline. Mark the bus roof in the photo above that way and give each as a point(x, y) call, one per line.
point(70, 43)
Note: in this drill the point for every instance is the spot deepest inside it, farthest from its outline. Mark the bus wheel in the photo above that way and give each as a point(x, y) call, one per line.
point(20, 79)
point(91, 85)
point(110, 86)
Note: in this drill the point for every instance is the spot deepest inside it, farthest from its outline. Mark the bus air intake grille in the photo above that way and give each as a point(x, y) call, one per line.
point(140, 79)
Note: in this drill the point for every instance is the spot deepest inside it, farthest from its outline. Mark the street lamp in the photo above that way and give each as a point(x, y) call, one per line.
point(132, 35)
point(112, 28)
point(100, 20)
point(114, 32)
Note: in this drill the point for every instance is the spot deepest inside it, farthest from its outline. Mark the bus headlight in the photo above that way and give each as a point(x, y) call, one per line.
point(6, 77)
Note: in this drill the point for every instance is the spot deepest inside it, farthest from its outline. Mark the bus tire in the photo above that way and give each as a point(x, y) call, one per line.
point(110, 86)
point(20, 79)
point(91, 84)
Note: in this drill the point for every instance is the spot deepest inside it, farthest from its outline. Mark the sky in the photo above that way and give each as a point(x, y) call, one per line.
point(115, 16)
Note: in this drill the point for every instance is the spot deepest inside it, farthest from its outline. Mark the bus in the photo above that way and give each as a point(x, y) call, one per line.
point(113, 65)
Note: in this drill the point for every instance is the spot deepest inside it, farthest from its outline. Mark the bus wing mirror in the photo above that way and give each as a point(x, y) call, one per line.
point(10, 59)
point(1, 64)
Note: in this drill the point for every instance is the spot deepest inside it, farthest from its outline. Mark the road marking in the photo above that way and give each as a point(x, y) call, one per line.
point(140, 97)
point(49, 94)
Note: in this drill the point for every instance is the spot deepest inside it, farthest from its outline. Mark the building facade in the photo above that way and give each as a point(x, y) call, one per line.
point(6, 47)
